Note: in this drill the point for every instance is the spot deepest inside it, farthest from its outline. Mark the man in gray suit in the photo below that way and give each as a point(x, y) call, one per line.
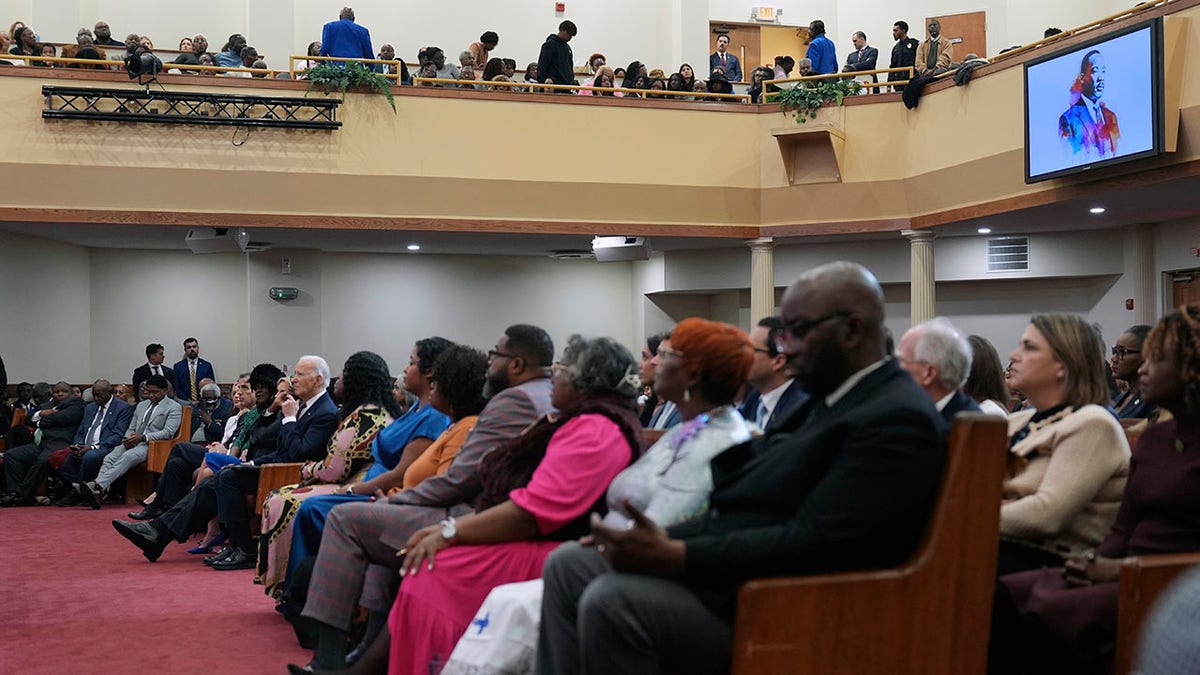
point(156, 418)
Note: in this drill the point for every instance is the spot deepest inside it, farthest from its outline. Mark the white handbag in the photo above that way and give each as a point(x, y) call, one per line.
point(502, 639)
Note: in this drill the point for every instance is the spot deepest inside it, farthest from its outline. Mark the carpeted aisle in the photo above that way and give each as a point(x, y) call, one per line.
point(77, 597)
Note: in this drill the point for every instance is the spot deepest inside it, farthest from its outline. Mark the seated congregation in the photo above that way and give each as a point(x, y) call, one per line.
point(593, 512)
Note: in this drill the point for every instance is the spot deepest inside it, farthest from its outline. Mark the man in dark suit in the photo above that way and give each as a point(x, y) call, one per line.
point(845, 482)
point(309, 420)
point(774, 392)
point(904, 53)
point(210, 413)
point(26, 465)
point(1088, 126)
point(190, 370)
point(105, 421)
point(360, 541)
point(724, 60)
point(864, 57)
point(153, 366)
point(938, 357)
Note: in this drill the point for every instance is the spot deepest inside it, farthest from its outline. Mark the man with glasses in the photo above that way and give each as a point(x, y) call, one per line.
point(938, 358)
point(667, 415)
point(774, 392)
point(358, 549)
point(1125, 361)
point(844, 482)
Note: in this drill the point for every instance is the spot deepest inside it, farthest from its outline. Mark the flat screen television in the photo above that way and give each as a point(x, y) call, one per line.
point(1095, 104)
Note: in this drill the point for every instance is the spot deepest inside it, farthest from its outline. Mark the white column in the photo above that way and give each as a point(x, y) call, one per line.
point(921, 279)
point(1140, 266)
point(762, 278)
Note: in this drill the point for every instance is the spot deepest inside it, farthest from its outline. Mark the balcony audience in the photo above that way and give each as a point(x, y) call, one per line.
point(104, 37)
point(936, 53)
point(863, 57)
point(821, 51)
point(757, 77)
point(728, 63)
point(846, 482)
point(1068, 457)
point(26, 465)
point(556, 62)
point(939, 359)
point(481, 50)
point(344, 37)
point(230, 55)
point(986, 383)
point(367, 407)
point(1063, 620)
point(105, 421)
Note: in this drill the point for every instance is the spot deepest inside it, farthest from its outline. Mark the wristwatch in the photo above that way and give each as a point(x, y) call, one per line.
point(449, 530)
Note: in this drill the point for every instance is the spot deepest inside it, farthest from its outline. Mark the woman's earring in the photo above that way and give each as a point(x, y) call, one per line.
point(687, 393)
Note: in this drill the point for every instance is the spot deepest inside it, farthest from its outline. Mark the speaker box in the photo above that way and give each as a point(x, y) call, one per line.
point(617, 249)
point(217, 240)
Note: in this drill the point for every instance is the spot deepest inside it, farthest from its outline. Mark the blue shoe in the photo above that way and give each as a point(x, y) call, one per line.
point(208, 548)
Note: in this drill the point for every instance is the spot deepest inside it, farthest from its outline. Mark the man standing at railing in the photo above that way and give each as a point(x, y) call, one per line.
point(904, 54)
point(723, 59)
point(936, 52)
point(821, 51)
point(864, 56)
point(346, 38)
point(556, 63)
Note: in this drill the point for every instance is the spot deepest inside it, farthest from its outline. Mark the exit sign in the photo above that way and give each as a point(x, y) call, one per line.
point(766, 13)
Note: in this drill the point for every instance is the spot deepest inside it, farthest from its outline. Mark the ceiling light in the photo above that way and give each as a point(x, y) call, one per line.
point(1096, 210)
point(414, 247)
point(985, 230)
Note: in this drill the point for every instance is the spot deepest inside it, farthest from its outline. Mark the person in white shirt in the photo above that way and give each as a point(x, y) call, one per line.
point(774, 391)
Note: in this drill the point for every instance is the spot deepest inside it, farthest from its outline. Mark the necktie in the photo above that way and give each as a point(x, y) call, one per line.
point(146, 420)
point(91, 434)
point(155, 370)
point(723, 59)
point(300, 410)
point(931, 62)
point(859, 57)
point(192, 369)
point(762, 415)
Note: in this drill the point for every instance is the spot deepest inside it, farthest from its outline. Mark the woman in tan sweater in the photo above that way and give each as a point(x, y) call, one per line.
point(1068, 454)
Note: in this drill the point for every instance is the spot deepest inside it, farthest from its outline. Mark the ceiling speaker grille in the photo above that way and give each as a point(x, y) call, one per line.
point(1007, 254)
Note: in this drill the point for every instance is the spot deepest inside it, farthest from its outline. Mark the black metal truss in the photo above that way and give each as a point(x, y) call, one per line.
point(173, 107)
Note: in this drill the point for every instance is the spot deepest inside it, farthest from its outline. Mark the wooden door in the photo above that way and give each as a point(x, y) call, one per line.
point(1186, 289)
point(968, 33)
point(744, 43)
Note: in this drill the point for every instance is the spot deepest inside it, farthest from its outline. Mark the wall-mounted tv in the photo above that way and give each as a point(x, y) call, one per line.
point(1095, 104)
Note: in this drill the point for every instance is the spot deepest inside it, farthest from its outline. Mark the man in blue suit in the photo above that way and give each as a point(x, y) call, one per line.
point(309, 420)
point(724, 60)
point(821, 50)
point(190, 370)
point(105, 421)
point(939, 359)
point(774, 392)
point(346, 38)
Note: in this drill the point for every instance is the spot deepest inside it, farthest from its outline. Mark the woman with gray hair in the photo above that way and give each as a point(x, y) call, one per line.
point(538, 491)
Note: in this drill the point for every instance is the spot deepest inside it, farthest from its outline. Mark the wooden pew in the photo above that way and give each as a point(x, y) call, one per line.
point(139, 482)
point(1143, 579)
point(272, 477)
point(930, 617)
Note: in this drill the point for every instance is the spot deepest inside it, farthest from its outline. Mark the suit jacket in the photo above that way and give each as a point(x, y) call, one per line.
point(863, 60)
point(182, 376)
point(58, 429)
point(505, 416)
point(945, 54)
point(142, 373)
point(792, 397)
point(1077, 127)
point(1137, 408)
point(164, 419)
point(850, 489)
point(112, 427)
point(346, 38)
point(960, 402)
point(307, 438)
point(733, 67)
point(214, 431)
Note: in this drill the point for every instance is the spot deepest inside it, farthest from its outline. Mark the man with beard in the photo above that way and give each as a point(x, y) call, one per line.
point(362, 536)
point(1088, 127)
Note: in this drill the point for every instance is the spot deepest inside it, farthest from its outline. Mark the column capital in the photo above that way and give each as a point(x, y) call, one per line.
point(919, 235)
point(761, 244)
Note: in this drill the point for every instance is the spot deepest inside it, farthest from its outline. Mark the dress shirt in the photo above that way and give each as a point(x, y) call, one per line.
point(845, 387)
point(98, 424)
point(943, 401)
point(770, 399)
point(307, 404)
point(667, 410)
point(155, 370)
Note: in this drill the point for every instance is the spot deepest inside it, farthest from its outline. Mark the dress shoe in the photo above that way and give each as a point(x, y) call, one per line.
point(148, 513)
point(8, 499)
point(72, 499)
point(213, 559)
point(202, 547)
point(144, 536)
point(92, 494)
point(238, 560)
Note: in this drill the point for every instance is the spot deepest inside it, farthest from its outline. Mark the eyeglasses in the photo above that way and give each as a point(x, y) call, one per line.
point(497, 354)
point(797, 330)
point(1120, 351)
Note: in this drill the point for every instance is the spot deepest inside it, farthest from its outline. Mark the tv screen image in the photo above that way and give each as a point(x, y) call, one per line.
point(1095, 104)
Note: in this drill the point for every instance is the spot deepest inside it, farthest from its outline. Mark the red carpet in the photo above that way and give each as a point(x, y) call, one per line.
point(78, 598)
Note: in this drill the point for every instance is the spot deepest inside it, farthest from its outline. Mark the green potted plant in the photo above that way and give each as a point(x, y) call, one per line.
point(338, 76)
point(806, 97)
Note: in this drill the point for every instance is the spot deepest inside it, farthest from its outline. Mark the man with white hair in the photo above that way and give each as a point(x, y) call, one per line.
point(939, 359)
point(309, 420)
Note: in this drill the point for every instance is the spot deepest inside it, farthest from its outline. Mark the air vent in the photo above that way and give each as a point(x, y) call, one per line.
point(573, 254)
point(1007, 254)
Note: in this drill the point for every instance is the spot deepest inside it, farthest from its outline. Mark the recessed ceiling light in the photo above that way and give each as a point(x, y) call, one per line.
point(1097, 210)
point(985, 230)
point(414, 247)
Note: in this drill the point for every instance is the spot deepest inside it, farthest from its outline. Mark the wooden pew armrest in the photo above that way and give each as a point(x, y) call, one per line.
point(156, 456)
point(274, 476)
point(1143, 579)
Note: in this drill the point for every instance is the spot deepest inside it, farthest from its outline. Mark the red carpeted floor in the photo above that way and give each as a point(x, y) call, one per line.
point(76, 597)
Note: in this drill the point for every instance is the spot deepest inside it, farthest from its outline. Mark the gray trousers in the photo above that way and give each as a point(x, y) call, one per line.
point(596, 621)
point(119, 461)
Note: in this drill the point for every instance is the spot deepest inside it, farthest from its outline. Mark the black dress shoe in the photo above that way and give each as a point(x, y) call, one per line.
point(8, 499)
point(148, 513)
point(90, 497)
point(72, 499)
point(216, 557)
point(238, 560)
point(144, 536)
